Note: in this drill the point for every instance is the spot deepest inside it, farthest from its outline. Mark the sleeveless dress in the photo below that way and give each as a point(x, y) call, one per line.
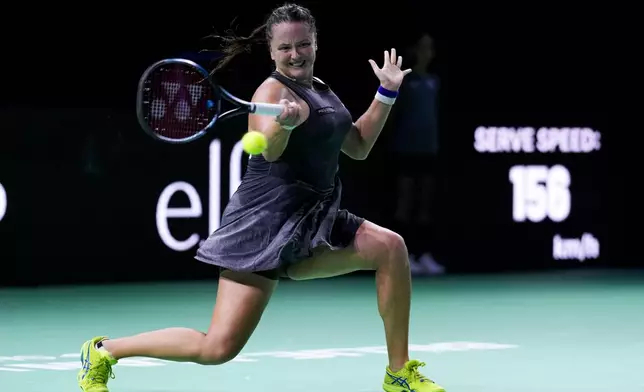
point(284, 209)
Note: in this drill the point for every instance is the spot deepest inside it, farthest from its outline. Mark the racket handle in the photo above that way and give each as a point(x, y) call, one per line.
point(267, 109)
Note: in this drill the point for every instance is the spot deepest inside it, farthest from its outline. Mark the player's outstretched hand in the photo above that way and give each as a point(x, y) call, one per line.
point(391, 75)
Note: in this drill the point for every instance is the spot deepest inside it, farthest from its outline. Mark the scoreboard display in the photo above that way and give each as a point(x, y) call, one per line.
point(539, 194)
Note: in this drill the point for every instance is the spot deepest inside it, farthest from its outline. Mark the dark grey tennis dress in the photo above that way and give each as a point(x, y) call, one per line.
point(284, 209)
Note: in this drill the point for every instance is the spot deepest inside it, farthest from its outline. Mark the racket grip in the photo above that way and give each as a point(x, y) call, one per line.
point(267, 109)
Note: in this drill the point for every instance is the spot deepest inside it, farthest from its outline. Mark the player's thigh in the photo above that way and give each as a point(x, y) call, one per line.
point(241, 300)
point(375, 243)
point(371, 245)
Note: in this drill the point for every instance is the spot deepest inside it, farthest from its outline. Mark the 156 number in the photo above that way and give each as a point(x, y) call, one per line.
point(539, 192)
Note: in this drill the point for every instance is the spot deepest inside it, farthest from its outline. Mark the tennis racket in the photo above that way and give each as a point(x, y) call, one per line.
point(178, 102)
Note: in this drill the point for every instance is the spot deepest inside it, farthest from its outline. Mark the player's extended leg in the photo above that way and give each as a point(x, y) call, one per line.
point(382, 250)
point(241, 300)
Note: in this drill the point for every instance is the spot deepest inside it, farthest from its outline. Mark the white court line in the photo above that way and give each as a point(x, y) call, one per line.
point(313, 354)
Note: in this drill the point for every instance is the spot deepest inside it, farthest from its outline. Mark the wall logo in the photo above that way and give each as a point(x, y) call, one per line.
point(179, 99)
point(195, 208)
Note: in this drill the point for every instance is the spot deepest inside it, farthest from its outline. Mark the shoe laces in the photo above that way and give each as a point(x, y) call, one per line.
point(104, 370)
point(414, 373)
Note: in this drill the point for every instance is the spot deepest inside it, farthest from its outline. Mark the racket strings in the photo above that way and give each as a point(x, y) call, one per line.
point(177, 102)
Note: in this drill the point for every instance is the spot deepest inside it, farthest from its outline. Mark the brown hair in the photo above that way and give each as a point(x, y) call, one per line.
point(232, 45)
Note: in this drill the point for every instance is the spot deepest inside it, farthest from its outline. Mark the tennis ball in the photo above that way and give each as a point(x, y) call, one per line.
point(254, 142)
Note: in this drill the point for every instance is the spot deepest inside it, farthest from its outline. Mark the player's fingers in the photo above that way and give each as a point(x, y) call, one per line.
point(287, 112)
point(285, 115)
point(292, 111)
point(373, 65)
point(393, 56)
point(399, 63)
point(386, 58)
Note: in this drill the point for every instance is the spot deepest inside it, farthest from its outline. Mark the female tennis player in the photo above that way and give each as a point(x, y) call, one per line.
point(284, 220)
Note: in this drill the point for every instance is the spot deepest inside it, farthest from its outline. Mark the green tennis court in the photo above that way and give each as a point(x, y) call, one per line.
point(555, 331)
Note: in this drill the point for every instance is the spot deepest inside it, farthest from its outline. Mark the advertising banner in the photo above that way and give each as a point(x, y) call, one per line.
point(515, 196)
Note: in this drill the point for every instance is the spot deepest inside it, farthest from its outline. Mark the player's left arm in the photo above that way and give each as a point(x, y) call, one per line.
point(365, 131)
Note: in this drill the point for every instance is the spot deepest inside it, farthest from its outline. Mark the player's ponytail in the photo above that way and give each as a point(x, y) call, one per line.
point(232, 45)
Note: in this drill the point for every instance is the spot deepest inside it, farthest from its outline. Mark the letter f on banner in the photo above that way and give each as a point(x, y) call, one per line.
point(3, 202)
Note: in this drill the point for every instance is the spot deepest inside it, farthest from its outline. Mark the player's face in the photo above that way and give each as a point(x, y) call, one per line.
point(293, 49)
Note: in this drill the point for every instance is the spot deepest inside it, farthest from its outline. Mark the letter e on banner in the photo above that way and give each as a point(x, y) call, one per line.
point(194, 210)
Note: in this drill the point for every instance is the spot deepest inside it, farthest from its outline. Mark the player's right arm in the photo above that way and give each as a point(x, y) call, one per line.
point(277, 129)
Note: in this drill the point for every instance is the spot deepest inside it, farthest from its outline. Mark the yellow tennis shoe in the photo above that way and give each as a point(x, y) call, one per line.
point(96, 367)
point(409, 379)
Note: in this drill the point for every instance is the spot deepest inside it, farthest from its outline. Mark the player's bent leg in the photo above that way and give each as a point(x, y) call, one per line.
point(380, 249)
point(241, 300)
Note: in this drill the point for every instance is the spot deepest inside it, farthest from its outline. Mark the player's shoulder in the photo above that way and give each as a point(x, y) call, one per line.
point(271, 83)
point(271, 89)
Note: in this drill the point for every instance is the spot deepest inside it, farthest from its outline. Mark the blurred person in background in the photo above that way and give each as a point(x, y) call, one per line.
point(414, 142)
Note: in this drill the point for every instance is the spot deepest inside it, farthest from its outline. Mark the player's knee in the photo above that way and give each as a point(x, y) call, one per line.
point(396, 247)
point(391, 248)
point(220, 351)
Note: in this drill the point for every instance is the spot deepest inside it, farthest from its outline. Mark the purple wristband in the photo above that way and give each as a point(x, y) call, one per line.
point(387, 93)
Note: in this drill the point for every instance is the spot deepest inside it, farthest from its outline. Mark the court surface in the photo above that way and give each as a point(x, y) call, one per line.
point(556, 331)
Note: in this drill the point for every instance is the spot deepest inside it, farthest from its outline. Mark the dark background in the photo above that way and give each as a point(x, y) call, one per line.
point(71, 86)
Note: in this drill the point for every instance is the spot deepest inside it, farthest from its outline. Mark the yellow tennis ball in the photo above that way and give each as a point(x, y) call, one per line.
point(254, 142)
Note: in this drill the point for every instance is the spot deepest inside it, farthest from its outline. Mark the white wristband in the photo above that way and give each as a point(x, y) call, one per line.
point(384, 99)
point(386, 96)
